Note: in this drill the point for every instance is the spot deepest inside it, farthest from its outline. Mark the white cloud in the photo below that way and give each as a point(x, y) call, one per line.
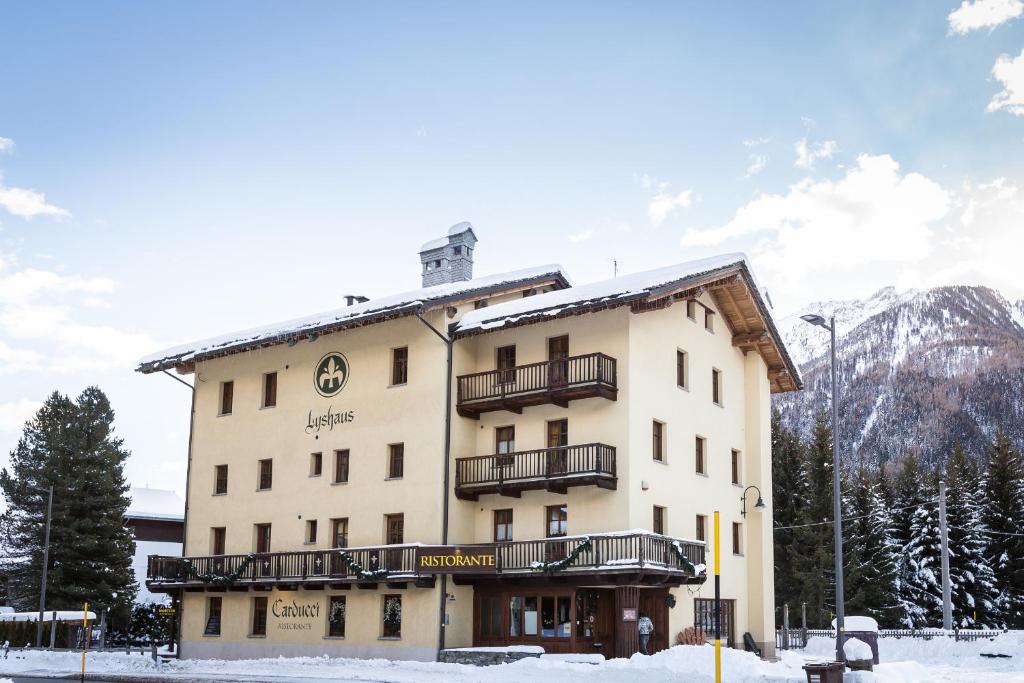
point(1010, 72)
point(27, 203)
point(758, 162)
point(807, 155)
point(14, 414)
point(976, 14)
point(756, 142)
point(664, 204)
point(583, 236)
point(6, 145)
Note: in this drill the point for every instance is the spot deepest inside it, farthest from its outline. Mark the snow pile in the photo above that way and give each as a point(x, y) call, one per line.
point(857, 650)
point(858, 624)
point(940, 651)
point(150, 503)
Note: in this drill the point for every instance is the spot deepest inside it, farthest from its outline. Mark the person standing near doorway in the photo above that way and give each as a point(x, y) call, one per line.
point(646, 628)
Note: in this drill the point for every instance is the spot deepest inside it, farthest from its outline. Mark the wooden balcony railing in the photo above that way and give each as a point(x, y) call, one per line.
point(554, 469)
point(664, 558)
point(552, 381)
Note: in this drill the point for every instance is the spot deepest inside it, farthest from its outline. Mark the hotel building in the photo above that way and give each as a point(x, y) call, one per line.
point(506, 460)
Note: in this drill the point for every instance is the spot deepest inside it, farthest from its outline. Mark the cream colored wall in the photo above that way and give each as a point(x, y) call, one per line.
point(654, 339)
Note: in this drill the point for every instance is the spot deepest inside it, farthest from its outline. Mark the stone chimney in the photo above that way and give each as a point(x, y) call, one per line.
point(449, 259)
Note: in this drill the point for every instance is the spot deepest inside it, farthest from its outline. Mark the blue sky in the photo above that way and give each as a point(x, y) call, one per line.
point(173, 171)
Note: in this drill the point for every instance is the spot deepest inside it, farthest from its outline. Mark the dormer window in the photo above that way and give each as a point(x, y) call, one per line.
point(458, 251)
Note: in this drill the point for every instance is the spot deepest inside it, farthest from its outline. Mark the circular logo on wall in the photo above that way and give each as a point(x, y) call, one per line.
point(331, 374)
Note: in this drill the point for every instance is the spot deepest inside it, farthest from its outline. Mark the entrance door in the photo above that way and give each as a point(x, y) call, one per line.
point(558, 363)
point(652, 603)
point(558, 439)
point(557, 526)
point(595, 630)
point(394, 535)
point(263, 547)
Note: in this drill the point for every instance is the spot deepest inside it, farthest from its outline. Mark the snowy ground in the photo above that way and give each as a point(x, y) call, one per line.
point(903, 661)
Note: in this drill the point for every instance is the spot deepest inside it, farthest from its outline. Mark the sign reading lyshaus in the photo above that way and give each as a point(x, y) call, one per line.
point(329, 377)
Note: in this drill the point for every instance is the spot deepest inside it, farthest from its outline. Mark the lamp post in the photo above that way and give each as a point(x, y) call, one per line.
point(759, 505)
point(46, 564)
point(830, 325)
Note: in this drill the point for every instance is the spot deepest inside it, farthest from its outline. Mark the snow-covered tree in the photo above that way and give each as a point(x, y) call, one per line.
point(1003, 517)
point(922, 589)
point(813, 543)
point(870, 555)
point(907, 495)
point(789, 502)
point(972, 581)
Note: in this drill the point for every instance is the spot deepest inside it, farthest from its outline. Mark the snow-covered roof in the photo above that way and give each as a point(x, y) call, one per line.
point(374, 310)
point(150, 503)
point(439, 243)
point(648, 286)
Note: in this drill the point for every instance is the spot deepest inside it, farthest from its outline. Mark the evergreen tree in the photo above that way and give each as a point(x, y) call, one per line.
point(906, 497)
point(815, 540)
point(972, 581)
point(1004, 521)
point(870, 555)
point(789, 500)
point(923, 584)
point(71, 446)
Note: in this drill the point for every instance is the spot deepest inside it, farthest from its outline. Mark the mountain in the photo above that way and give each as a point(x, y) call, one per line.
point(919, 370)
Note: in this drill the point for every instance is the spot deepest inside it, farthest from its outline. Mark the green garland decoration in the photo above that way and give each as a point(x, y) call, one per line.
point(216, 579)
point(565, 562)
point(678, 552)
point(359, 570)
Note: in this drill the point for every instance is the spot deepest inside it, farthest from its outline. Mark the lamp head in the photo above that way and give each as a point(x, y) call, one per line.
point(759, 505)
point(814, 319)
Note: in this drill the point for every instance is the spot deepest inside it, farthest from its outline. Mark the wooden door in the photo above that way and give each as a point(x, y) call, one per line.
point(652, 603)
point(558, 439)
point(557, 526)
point(394, 535)
point(558, 363)
point(595, 630)
point(263, 547)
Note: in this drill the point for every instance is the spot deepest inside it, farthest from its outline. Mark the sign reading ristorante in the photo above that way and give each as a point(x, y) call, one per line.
point(457, 559)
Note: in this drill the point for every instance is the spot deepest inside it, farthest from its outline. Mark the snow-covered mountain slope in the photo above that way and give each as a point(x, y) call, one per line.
point(918, 370)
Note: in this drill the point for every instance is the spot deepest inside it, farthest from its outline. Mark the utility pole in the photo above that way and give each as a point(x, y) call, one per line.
point(46, 566)
point(947, 602)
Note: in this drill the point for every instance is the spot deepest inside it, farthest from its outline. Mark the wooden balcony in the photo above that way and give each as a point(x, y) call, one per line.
point(632, 556)
point(551, 469)
point(553, 381)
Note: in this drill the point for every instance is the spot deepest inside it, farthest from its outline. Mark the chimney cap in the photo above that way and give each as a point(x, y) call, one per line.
point(460, 228)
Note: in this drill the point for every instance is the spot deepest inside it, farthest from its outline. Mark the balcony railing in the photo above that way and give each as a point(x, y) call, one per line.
point(554, 469)
point(643, 553)
point(552, 381)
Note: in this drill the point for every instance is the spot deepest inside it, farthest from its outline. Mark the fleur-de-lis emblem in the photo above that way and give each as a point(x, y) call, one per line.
point(331, 374)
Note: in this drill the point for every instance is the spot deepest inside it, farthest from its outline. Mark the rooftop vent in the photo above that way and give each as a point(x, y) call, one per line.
point(353, 299)
point(449, 259)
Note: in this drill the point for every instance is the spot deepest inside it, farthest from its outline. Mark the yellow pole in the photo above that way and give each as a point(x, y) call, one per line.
point(718, 605)
point(85, 634)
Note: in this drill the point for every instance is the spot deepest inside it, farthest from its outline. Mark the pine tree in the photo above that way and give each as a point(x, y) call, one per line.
point(1004, 521)
point(972, 582)
point(789, 499)
point(815, 540)
point(71, 446)
point(906, 497)
point(869, 551)
point(923, 585)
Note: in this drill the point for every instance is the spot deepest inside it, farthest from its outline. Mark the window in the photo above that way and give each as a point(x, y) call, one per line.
point(658, 433)
point(213, 606)
point(392, 617)
point(701, 448)
point(506, 362)
point(558, 453)
point(310, 531)
point(220, 485)
point(480, 303)
point(716, 386)
point(341, 466)
point(702, 528)
point(400, 365)
point(217, 535)
point(735, 466)
point(682, 369)
point(270, 390)
point(227, 397)
point(737, 538)
point(502, 525)
point(558, 521)
point(394, 529)
point(316, 464)
point(504, 444)
point(262, 538)
point(659, 520)
point(691, 309)
point(709, 320)
point(339, 532)
point(259, 616)
point(336, 617)
point(266, 474)
point(396, 460)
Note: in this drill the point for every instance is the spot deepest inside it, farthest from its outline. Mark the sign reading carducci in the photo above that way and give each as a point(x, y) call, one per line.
point(468, 559)
point(331, 374)
point(295, 616)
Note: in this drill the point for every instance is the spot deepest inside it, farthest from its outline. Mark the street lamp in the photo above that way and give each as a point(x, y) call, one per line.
point(46, 563)
point(819, 321)
point(759, 505)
